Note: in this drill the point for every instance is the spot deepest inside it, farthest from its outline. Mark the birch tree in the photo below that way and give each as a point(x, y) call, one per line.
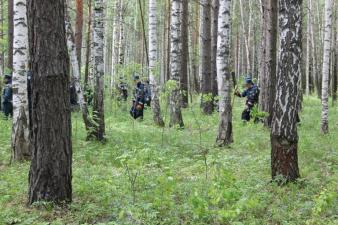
point(284, 136)
point(98, 54)
point(116, 43)
point(20, 133)
point(176, 64)
point(326, 66)
point(153, 62)
point(224, 136)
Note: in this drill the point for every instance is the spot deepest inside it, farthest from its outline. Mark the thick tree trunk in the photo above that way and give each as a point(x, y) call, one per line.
point(214, 36)
point(50, 175)
point(284, 136)
point(153, 64)
point(224, 136)
point(79, 30)
point(326, 66)
point(269, 55)
point(20, 132)
point(185, 53)
point(176, 64)
point(98, 106)
point(206, 75)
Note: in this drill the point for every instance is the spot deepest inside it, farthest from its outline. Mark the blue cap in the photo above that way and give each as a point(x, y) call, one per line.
point(248, 80)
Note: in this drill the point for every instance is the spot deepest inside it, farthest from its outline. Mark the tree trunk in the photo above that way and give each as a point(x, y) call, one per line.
point(50, 176)
point(78, 31)
point(121, 34)
point(98, 106)
point(245, 37)
point(10, 34)
point(335, 69)
point(224, 136)
point(76, 75)
point(326, 66)
point(20, 132)
point(308, 52)
point(153, 62)
point(185, 53)
point(206, 75)
point(284, 136)
point(214, 35)
point(176, 64)
point(269, 55)
point(116, 44)
point(88, 46)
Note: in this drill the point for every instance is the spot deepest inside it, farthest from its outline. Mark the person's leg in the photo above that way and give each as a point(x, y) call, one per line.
point(246, 115)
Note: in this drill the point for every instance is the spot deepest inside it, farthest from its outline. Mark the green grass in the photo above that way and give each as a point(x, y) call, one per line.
point(171, 185)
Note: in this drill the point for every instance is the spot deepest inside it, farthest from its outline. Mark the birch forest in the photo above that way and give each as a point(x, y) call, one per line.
point(168, 112)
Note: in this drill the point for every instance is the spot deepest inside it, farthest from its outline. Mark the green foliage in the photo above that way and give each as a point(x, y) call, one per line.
point(145, 175)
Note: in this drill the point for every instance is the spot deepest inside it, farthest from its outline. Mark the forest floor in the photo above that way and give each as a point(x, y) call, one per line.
point(148, 175)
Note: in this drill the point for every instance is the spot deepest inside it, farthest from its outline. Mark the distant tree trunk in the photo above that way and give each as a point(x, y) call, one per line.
point(76, 76)
point(284, 136)
point(78, 31)
point(121, 35)
point(176, 64)
point(88, 46)
point(206, 75)
point(326, 66)
point(214, 35)
point(50, 176)
point(308, 51)
point(185, 53)
point(20, 133)
point(335, 70)
point(98, 106)
point(153, 63)
point(269, 56)
point(224, 136)
point(245, 37)
point(116, 44)
point(10, 34)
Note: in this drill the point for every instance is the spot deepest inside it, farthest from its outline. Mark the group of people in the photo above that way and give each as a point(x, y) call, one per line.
point(141, 97)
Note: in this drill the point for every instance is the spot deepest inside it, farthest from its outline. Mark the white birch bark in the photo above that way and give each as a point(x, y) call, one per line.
point(116, 43)
point(224, 136)
point(176, 63)
point(153, 63)
point(98, 54)
point(20, 133)
point(326, 66)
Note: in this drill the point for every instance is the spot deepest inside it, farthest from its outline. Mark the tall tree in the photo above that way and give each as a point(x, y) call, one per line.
point(20, 133)
point(88, 46)
point(284, 136)
point(326, 66)
point(50, 175)
point(185, 53)
point(224, 136)
point(79, 30)
point(98, 106)
point(269, 58)
point(176, 63)
point(335, 69)
point(116, 43)
point(153, 62)
point(10, 34)
point(206, 84)
point(214, 36)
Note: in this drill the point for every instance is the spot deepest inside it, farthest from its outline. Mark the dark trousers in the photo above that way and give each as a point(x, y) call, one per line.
point(246, 114)
point(135, 113)
point(7, 108)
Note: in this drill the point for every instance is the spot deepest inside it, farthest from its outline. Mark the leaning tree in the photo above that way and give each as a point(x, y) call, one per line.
point(50, 176)
point(284, 136)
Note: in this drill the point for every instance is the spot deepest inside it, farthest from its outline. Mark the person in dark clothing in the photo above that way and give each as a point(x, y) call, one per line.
point(73, 95)
point(137, 109)
point(7, 97)
point(252, 95)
